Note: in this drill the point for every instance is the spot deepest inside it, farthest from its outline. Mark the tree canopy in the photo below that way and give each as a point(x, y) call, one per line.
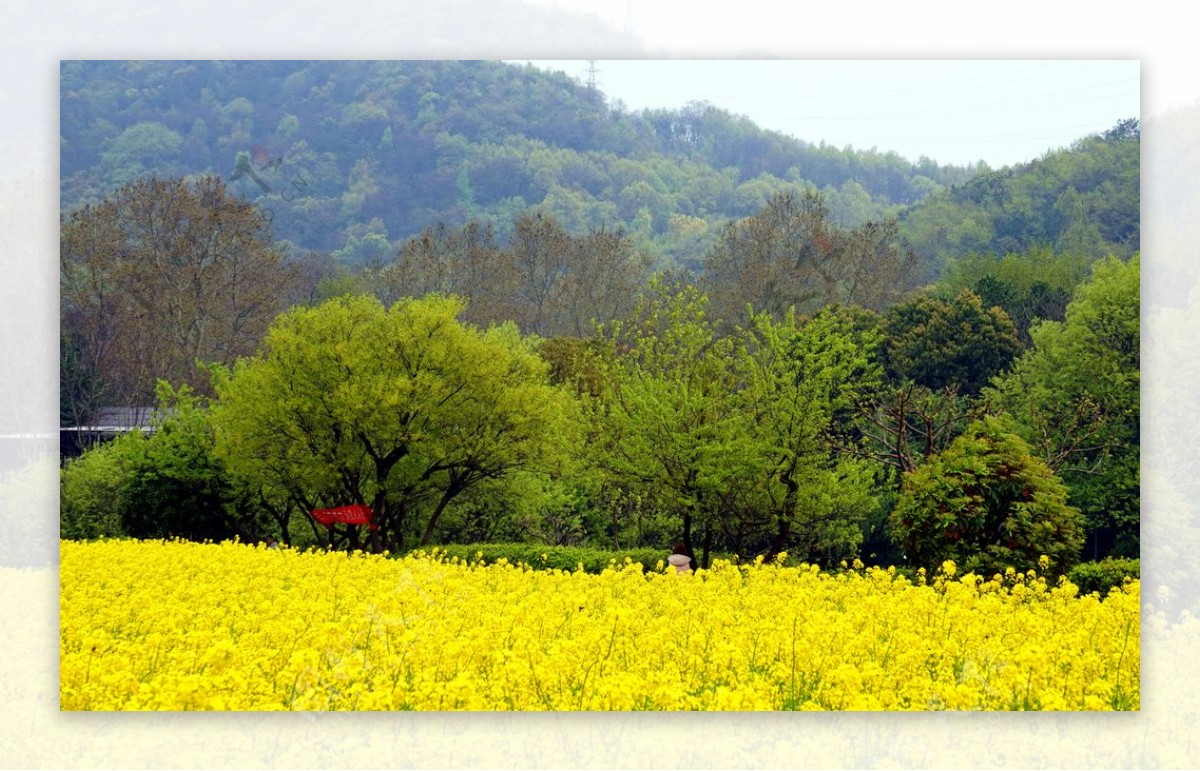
point(732, 433)
point(989, 504)
point(402, 409)
point(960, 343)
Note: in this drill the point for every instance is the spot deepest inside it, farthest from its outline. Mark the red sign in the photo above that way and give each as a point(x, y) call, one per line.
point(357, 514)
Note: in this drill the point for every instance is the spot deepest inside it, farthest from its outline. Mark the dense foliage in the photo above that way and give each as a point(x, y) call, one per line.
point(1078, 200)
point(958, 343)
point(1075, 395)
point(989, 505)
point(402, 409)
point(786, 434)
point(166, 482)
point(1104, 575)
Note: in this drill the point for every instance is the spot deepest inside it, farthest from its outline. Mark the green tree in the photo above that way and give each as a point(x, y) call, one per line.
point(176, 486)
point(1029, 286)
point(403, 409)
point(147, 146)
point(91, 490)
point(166, 483)
point(960, 343)
point(804, 379)
point(1083, 199)
point(989, 504)
point(667, 422)
point(1075, 398)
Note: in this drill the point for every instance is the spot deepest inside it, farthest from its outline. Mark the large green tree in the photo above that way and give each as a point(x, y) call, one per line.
point(667, 421)
point(734, 435)
point(402, 409)
point(959, 343)
point(1075, 397)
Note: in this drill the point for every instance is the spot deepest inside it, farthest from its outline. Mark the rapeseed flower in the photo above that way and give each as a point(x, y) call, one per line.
point(186, 626)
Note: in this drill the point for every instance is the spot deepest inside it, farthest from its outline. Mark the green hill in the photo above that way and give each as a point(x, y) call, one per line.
point(354, 157)
point(1079, 200)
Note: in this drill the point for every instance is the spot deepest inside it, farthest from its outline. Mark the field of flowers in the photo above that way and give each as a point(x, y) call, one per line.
point(174, 626)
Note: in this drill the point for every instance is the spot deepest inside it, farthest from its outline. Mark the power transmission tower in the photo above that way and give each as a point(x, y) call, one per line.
point(591, 75)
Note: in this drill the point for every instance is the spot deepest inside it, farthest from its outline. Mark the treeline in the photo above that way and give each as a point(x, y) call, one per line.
point(780, 403)
point(165, 273)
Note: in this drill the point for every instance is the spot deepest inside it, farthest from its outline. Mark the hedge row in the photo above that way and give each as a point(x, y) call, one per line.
point(1088, 576)
point(542, 557)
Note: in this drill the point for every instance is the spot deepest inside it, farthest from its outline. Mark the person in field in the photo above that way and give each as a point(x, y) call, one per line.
point(679, 559)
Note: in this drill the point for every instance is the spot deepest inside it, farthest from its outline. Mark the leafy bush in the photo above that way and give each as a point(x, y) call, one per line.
point(92, 490)
point(161, 485)
point(989, 504)
point(1103, 575)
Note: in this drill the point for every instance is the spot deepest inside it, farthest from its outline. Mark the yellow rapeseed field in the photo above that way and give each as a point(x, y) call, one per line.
point(175, 626)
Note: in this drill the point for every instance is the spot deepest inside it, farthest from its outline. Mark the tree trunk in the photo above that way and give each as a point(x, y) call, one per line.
point(784, 518)
point(687, 532)
point(456, 486)
point(379, 516)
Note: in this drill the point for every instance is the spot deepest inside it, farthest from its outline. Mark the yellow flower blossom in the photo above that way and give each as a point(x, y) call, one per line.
point(185, 626)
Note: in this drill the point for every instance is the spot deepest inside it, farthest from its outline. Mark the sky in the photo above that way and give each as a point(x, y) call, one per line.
point(1000, 111)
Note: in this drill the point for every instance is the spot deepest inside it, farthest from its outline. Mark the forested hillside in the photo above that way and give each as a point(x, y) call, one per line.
point(1080, 200)
point(354, 157)
point(490, 305)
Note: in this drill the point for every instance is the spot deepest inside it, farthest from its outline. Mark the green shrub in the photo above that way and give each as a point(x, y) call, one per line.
point(92, 490)
point(1103, 575)
point(988, 503)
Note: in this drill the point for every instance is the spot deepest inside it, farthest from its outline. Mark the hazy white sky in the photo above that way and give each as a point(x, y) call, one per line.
point(955, 112)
